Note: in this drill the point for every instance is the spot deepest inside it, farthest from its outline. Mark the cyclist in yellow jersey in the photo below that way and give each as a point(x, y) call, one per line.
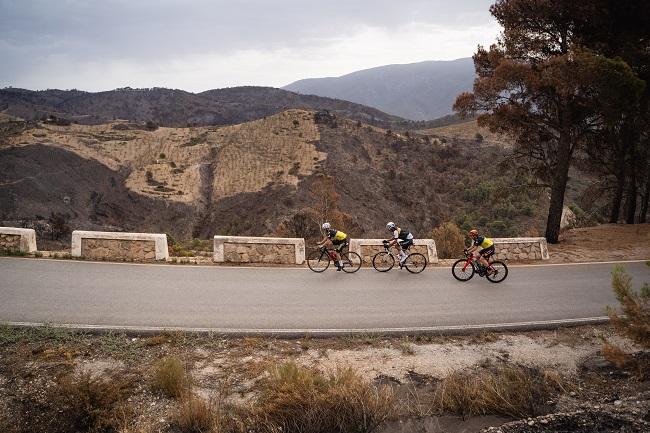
point(334, 240)
point(486, 245)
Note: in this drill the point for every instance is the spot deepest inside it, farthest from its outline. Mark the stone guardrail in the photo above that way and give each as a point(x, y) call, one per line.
point(120, 246)
point(521, 248)
point(245, 249)
point(17, 239)
point(367, 248)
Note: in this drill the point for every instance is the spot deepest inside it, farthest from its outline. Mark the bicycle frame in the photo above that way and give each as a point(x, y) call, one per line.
point(473, 261)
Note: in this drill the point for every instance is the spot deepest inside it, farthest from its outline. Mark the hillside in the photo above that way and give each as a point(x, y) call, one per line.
point(177, 108)
point(254, 178)
point(416, 91)
point(466, 130)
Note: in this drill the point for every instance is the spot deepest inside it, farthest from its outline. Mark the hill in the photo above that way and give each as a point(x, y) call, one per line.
point(276, 175)
point(415, 91)
point(178, 108)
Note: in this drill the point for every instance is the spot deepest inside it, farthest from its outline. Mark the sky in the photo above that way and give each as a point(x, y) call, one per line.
point(198, 45)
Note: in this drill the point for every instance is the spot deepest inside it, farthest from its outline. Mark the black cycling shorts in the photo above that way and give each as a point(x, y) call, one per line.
point(406, 244)
point(487, 252)
point(339, 245)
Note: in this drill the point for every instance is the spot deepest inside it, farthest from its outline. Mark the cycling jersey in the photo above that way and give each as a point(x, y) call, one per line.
point(402, 234)
point(336, 235)
point(483, 242)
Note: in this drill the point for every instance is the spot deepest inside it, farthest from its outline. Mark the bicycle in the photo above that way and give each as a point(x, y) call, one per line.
point(384, 261)
point(319, 260)
point(464, 269)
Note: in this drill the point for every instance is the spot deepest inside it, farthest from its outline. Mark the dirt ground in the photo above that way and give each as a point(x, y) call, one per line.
point(31, 359)
point(601, 243)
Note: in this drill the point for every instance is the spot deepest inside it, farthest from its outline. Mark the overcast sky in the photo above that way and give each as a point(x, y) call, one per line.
point(198, 45)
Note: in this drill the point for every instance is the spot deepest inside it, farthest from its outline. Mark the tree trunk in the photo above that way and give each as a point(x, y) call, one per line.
point(618, 192)
point(630, 205)
point(559, 178)
point(645, 197)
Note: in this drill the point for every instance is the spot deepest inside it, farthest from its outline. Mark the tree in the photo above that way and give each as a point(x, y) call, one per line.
point(620, 30)
point(542, 89)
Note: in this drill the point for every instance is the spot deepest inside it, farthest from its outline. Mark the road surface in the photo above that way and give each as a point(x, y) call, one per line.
point(228, 298)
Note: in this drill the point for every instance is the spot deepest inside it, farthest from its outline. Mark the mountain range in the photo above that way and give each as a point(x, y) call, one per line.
point(415, 91)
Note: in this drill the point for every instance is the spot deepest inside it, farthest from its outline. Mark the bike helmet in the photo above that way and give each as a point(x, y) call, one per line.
point(326, 226)
point(391, 226)
point(473, 233)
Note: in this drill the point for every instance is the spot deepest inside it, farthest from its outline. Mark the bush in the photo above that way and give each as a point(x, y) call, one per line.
point(170, 377)
point(634, 320)
point(449, 240)
point(194, 416)
point(300, 400)
point(77, 404)
point(507, 390)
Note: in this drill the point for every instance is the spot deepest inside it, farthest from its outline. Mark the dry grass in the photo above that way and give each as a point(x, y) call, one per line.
point(615, 354)
point(507, 390)
point(170, 377)
point(194, 416)
point(300, 400)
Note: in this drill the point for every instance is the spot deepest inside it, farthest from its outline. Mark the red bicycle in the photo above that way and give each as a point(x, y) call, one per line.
point(464, 269)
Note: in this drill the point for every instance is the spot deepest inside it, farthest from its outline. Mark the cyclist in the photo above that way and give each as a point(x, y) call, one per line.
point(486, 251)
point(334, 240)
point(402, 240)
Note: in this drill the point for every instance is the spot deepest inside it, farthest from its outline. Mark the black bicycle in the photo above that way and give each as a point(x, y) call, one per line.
point(464, 269)
point(384, 261)
point(319, 260)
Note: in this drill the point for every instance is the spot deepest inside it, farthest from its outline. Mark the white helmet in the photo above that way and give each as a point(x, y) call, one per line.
point(326, 226)
point(391, 226)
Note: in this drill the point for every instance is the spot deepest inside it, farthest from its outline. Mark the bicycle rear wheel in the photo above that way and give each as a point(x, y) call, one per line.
point(318, 261)
point(383, 262)
point(500, 272)
point(462, 274)
point(351, 262)
point(415, 263)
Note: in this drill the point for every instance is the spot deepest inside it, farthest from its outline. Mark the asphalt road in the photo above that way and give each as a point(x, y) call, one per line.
point(106, 294)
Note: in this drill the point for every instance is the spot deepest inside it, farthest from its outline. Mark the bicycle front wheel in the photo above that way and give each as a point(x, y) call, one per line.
point(415, 263)
point(461, 273)
point(499, 272)
point(351, 262)
point(383, 262)
point(318, 261)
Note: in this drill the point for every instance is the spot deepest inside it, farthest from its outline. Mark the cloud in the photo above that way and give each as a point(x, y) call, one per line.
point(201, 44)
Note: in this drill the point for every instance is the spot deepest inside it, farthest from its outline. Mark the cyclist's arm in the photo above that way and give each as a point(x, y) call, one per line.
point(323, 241)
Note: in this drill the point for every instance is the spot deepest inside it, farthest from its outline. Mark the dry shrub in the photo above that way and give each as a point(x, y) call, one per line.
point(634, 322)
point(194, 416)
point(301, 400)
point(614, 354)
point(449, 240)
point(507, 390)
point(170, 378)
point(80, 403)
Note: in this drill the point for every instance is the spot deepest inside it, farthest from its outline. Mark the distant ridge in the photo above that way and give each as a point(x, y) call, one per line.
point(415, 91)
point(178, 108)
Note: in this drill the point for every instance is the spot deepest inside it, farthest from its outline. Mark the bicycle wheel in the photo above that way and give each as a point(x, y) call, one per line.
point(383, 262)
point(460, 274)
point(500, 272)
point(415, 263)
point(351, 262)
point(318, 261)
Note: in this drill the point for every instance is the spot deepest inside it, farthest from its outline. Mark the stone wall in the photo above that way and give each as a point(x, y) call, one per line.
point(520, 249)
point(119, 245)
point(9, 242)
point(17, 239)
point(367, 248)
point(369, 251)
point(246, 249)
point(259, 253)
point(117, 249)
